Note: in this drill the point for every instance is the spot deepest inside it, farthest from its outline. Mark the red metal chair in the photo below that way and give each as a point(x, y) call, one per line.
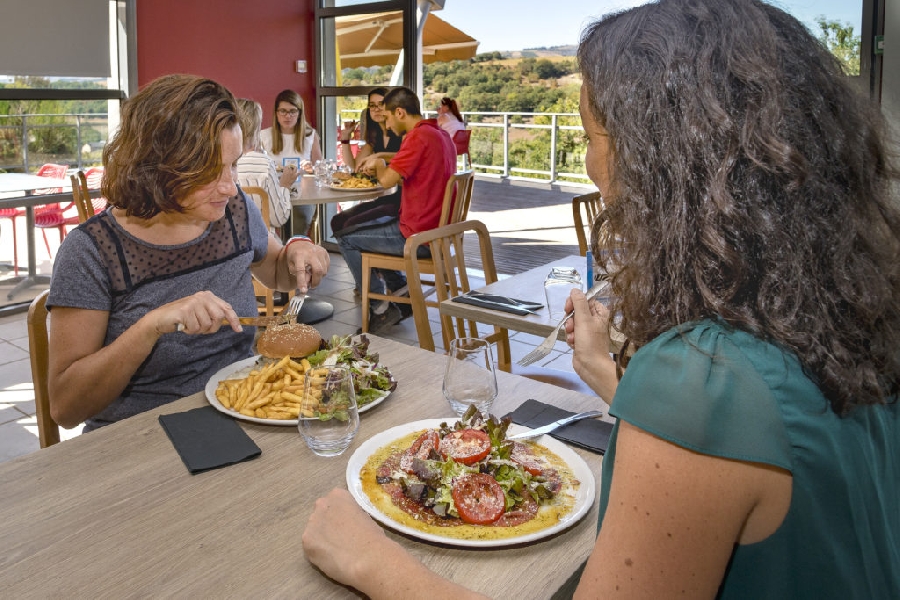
point(51, 216)
point(461, 140)
point(47, 170)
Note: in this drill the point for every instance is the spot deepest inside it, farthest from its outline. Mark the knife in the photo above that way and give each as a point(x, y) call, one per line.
point(527, 435)
point(506, 305)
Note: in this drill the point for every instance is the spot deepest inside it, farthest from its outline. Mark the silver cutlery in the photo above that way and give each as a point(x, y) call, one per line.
point(512, 301)
point(527, 435)
point(514, 306)
point(547, 345)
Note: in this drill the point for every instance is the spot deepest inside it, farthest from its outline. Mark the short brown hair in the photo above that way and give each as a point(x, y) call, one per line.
point(167, 145)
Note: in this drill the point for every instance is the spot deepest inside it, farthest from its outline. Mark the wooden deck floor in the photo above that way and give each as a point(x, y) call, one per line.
point(530, 223)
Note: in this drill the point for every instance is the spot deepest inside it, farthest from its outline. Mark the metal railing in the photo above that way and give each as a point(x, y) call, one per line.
point(545, 147)
point(28, 141)
point(541, 146)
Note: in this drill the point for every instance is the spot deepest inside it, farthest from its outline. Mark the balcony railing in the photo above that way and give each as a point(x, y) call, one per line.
point(546, 147)
point(28, 141)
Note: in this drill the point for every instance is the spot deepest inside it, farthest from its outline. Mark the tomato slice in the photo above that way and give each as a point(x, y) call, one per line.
point(478, 498)
point(522, 454)
point(421, 448)
point(466, 446)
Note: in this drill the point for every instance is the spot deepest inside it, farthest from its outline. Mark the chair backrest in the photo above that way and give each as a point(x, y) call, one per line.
point(588, 205)
point(450, 279)
point(94, 176)
point(261, 197)
point(457, 198)
point(39, 348)
point(81, 197)
point(53, 171)
point(461, 141)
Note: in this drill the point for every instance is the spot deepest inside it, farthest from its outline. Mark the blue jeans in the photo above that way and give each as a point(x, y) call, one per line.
point(384, 239)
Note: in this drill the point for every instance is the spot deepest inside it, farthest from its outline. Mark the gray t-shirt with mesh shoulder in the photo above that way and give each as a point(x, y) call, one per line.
point(100, 266)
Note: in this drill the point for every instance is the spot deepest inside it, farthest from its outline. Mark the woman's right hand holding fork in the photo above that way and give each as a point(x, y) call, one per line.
point(587, 333)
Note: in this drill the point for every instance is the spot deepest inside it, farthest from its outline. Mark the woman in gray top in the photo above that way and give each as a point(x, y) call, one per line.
point(139, 291)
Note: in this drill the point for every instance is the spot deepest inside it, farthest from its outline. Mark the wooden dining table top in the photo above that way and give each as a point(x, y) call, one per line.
point(115, 513)
point(528, 286)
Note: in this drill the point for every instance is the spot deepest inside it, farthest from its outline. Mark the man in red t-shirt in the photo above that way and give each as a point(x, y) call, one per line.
point(425, 162)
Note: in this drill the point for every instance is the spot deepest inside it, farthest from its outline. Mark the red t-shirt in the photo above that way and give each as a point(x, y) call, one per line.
point(426, 160)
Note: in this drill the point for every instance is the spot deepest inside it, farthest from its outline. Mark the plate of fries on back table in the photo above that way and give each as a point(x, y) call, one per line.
point(358, 182)
point(271, 392)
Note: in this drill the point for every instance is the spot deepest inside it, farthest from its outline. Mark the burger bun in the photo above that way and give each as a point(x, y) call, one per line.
point(295, 339)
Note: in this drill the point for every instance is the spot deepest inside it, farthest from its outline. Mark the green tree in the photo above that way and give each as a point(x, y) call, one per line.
point(841, 42)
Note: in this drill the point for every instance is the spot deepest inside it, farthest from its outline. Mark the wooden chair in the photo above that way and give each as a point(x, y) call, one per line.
point(448, 265)
point(39, 348)
point(267, 307)
point(82, 184)
point(591, 205)
point(461, 141)
point(457, 198)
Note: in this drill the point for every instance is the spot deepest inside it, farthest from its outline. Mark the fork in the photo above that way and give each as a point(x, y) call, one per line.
point(547, 345)
point(293, 308)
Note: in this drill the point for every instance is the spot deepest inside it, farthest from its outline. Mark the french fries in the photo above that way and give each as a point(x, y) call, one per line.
point(356, 182)
point(275, 391)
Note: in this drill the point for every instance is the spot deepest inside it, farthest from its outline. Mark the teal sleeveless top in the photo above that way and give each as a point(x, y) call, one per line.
point(723, 392)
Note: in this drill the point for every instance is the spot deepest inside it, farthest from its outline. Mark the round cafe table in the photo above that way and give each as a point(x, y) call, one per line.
point(315, 310)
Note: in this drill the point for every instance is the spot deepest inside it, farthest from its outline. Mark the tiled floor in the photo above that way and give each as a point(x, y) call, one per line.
point(18, 428)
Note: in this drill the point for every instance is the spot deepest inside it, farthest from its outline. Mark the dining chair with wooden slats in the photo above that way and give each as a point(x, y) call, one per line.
point(39, 349)
point(261, 198)
point(82, 196)
point(451, 279)
point(585, 209)
point(457, 199)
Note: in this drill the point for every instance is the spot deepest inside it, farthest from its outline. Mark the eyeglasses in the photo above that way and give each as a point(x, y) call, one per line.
point(293, 112)
point(376, 105)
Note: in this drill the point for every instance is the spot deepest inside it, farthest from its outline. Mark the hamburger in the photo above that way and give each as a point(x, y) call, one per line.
point(293, 339)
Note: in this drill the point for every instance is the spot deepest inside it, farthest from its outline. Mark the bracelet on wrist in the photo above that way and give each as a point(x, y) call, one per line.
point(345, 141)
point(297, 238)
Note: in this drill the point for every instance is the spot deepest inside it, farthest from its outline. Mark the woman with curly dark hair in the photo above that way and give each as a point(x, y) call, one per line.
point(752, 242)
point(139, 291)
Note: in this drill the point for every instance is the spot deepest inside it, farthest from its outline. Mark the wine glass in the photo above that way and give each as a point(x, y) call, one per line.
point(470, 377)
point(329, 416)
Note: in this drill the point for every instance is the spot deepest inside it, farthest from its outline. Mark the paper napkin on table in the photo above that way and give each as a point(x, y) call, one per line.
point(207, 439)
point(510, 305)
point(590, 434)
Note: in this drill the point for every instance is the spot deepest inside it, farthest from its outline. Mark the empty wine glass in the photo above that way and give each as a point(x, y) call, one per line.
point(470, 377)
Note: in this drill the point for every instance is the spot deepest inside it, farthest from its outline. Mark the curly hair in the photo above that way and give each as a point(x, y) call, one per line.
point(752, 185)
point(301, 129)
point(167, 145)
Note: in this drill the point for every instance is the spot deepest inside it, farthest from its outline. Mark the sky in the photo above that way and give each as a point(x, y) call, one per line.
point(519, 24)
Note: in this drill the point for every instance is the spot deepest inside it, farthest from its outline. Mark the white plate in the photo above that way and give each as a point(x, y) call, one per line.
point(584, 495)
point(242, 368)
point(375, 188)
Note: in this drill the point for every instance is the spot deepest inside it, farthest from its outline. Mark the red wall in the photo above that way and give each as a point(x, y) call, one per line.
point(250, 47)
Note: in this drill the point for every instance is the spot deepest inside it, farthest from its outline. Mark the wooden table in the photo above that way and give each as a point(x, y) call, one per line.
point(114, 513)
point(28, 184)
point(527, 286)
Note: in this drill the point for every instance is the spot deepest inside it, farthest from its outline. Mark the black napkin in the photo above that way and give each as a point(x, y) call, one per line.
point(516, 307)
point(207, 439)
point(590, 434)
